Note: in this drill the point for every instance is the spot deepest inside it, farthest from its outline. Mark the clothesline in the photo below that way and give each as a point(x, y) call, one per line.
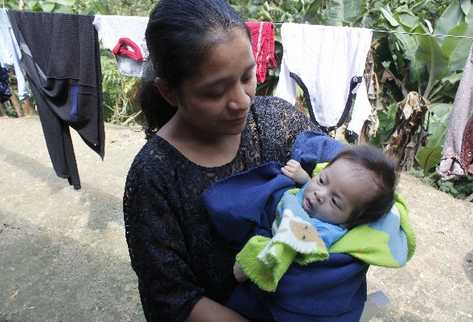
point(391, 32)
point(420, 34)
point(407, 33)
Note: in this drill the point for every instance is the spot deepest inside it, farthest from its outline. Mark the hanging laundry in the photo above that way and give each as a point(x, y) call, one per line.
point(457, 159)
point(262, 43)
point(62, 61)
point(467, 147)
point(5, 92)
point(129, 57)
point(127, 48)
point(6, 55)
point(125, 37)
point(10, 54)
point(327, 63)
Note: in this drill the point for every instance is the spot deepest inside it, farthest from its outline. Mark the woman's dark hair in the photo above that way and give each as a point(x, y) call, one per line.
point(178, 35)
point(384, 170)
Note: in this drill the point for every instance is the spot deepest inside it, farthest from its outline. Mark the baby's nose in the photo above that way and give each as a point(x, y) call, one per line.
point(319, 196)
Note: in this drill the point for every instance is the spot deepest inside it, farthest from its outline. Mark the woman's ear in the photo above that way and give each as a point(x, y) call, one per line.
point(168, 93)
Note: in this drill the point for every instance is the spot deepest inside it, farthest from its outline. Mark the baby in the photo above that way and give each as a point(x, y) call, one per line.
point(355, 188)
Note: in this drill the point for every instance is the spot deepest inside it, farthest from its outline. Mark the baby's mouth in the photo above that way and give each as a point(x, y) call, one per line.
point(307, 204)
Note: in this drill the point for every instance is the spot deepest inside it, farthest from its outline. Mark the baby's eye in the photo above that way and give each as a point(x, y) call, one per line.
point(321, 180)
point(336, 203)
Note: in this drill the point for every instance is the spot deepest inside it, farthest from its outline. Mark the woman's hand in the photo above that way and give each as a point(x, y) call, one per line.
point(207, 310)
point(293, 170)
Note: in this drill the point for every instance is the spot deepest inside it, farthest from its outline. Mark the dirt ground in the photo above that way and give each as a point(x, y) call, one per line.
point(63, 255)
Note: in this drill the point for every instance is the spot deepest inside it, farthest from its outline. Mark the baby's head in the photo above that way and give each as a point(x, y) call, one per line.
point(355, 188)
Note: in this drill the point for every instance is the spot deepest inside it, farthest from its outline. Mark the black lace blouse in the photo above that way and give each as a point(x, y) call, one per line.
point(173, 250)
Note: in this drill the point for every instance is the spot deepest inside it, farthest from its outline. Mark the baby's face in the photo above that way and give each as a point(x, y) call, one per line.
point(340, 188)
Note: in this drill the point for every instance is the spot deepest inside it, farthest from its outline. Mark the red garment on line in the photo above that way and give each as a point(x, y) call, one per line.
point(128, 48)
point(262, 42)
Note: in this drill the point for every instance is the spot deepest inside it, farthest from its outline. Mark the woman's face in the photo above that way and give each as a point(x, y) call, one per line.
point(217, 100)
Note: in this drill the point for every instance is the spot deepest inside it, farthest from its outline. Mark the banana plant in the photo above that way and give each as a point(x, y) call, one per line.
point(432, 65)
point(428, 157)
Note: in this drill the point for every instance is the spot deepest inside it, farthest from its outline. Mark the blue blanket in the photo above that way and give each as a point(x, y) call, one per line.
point(244, 205)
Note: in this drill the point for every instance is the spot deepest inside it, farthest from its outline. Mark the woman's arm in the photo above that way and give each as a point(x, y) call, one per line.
point(168, 286)
point(207, 310)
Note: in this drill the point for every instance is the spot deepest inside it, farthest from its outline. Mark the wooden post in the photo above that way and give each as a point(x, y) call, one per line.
point(16, 104)
point(2, 110)
point(28, 107)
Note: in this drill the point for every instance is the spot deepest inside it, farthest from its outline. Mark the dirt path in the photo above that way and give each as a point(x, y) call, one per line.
point(63, 255)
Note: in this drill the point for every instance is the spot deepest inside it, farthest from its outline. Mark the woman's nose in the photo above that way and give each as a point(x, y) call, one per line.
point(240, 100)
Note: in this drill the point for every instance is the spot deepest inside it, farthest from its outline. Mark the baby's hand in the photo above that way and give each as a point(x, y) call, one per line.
point(240, 276)
point(293, 170)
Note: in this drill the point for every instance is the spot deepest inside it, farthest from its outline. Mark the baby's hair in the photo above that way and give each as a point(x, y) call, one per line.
point(384, 170)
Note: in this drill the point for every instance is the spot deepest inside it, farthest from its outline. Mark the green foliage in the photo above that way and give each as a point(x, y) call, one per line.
point(428, 157)
point(431, 66)
point(9, 110)
point(65, 6)
point(119, 91)
point(386, 121)
point(426, 64)
point(87, 7)
point(276, 10)
point(119, 94)
point(114, 7)
point(460, 188)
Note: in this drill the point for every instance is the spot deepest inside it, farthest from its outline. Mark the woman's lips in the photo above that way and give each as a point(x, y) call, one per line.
point(239, 119)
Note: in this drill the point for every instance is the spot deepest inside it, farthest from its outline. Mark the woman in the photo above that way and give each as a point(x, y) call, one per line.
point(211, 126)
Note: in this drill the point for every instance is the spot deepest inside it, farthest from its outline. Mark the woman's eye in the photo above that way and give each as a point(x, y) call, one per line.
point(246, 79)
point(215, 94)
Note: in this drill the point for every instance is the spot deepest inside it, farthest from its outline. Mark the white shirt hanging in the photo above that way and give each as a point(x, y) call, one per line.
point(325, 59)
